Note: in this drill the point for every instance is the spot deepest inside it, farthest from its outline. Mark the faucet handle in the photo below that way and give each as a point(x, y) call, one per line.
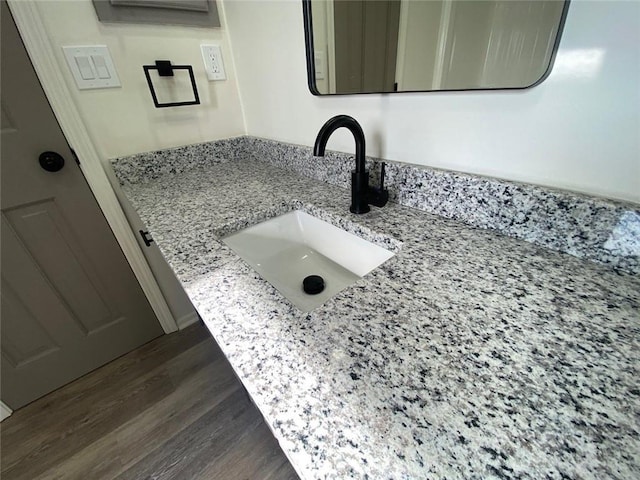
point(379, 196)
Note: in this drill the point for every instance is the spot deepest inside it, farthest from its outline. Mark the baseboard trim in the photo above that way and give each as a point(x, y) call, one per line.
point(188, 319)
point(5, 411)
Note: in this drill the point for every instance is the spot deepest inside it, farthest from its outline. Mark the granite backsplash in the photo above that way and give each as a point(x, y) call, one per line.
point(593, 228)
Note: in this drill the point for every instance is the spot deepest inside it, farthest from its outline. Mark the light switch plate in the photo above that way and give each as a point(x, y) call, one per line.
point(320, 64)
point(212, 56)
point(91, 66)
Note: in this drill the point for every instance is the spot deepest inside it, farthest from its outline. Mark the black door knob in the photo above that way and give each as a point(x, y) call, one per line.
point(51, 161)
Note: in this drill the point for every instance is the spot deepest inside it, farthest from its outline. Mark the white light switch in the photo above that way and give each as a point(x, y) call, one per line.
point(91, 66)
point(101, 66)
point(212, 56)
point(86, 72)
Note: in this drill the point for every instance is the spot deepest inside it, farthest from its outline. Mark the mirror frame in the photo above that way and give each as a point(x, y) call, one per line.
point(311, 80)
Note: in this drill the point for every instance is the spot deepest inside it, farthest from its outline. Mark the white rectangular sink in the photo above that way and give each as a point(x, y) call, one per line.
point(287, 249)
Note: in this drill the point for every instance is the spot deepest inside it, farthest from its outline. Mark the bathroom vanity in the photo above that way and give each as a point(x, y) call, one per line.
point(468, 354)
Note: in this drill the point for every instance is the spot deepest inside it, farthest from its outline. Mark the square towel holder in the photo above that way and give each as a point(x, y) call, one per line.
point(165, 69)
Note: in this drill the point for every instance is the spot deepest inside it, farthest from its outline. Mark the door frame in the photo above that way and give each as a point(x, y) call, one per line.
point(33, 33)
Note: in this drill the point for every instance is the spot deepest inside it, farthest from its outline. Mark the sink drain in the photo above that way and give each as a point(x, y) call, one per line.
point(313, 284)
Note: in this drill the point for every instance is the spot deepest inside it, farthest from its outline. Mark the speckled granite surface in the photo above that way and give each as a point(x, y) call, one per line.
point(597, 229)
point(467, 355)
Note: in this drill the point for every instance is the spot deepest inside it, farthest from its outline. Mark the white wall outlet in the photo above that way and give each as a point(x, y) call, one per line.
point(91, 66)
point(212, 56)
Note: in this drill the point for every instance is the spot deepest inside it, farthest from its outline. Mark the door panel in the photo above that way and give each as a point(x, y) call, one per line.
point(5, 121)
point(70, 302)
point(366, 44)
point(48, 238)
point(24, 338)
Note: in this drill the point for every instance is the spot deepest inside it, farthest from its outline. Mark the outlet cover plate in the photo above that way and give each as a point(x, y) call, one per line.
point(213, 64)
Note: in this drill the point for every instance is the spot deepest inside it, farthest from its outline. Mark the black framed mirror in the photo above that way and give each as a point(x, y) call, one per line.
point(393, 46)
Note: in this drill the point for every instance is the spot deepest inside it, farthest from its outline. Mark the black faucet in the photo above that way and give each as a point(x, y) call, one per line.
point(361, 194)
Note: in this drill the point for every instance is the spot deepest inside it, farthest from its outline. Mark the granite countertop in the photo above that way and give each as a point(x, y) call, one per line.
point(467, 355)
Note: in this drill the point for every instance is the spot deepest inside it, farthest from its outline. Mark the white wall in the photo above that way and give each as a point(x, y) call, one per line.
point(123, 121)
point(578, 130)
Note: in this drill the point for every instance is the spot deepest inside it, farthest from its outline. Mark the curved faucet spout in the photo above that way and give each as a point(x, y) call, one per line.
point(331, 126)
point(361, 194)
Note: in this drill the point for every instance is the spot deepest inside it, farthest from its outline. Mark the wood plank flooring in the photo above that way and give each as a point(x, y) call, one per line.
point(172, 409)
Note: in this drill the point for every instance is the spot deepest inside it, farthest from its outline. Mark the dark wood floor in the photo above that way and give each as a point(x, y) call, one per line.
point(171, 409)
